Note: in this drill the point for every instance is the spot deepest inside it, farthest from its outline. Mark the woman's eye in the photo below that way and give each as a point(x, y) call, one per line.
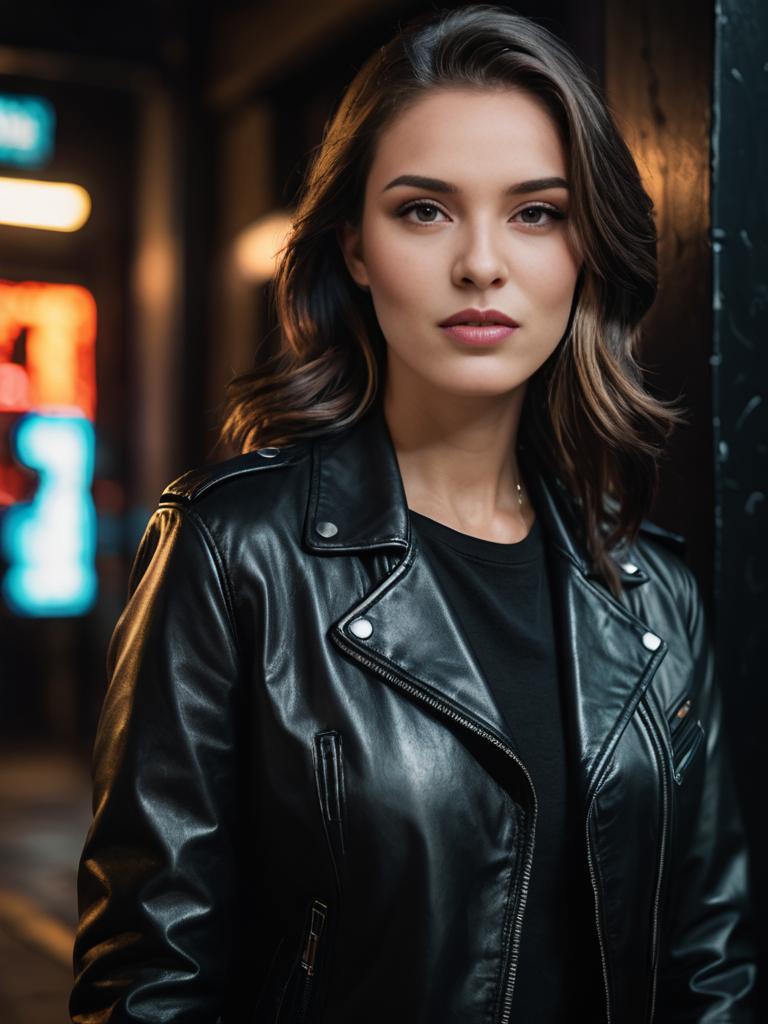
point(551, 212)
point(429, 211)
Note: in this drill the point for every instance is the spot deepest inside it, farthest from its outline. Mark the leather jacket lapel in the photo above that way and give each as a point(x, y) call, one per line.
point(357, 503)
point(605, 664)
point(356, 486)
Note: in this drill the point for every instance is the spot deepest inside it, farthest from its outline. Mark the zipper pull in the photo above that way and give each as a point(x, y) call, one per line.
point(315, 929)
point(683, 711)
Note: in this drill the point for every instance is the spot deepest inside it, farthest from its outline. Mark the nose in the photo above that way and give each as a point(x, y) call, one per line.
point(480, 259)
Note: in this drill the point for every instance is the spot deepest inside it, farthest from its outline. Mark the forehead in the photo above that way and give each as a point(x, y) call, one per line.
point(478, 133)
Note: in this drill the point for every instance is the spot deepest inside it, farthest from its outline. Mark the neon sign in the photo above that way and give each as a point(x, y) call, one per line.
point(47, 373)
point(50, 541)
point(48, 205)
point(27, 126)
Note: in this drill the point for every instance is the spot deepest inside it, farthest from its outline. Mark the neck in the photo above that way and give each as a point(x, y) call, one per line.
point(457, 457)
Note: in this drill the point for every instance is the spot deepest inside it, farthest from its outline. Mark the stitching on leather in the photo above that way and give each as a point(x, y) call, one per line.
point(601, 903)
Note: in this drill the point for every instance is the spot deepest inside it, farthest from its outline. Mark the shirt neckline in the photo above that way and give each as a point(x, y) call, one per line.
point(525, 550)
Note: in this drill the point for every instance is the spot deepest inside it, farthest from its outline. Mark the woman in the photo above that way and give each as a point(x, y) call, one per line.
point(412, 714)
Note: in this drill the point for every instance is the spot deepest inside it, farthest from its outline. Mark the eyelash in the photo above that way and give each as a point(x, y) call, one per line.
point(420, 204)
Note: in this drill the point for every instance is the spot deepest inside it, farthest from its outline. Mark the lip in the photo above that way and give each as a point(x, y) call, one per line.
point(483, 316)
point(495, 327)
point(469, 334)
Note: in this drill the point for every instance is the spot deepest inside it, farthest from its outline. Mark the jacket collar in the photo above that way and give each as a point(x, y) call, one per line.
point(609, 654)
point(357, 488)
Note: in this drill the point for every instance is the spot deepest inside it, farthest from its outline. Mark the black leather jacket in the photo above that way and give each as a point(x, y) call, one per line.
point(307, 807)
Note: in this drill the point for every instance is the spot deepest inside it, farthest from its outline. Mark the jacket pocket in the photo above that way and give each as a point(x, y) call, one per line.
point(296, 1005)
point(329, 775)
point(686, 734)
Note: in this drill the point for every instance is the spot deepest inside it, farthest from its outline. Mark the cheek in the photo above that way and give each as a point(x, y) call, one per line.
point(548, 274)
point(399, 270)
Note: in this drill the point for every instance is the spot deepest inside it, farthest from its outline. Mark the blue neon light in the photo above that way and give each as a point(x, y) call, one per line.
point(27, 127)
point(50, 542)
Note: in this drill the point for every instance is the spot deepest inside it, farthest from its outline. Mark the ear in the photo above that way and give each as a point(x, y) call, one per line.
point(350, 243)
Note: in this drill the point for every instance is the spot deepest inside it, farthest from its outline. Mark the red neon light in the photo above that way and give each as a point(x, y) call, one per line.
point(60, 325)
point(14, 388)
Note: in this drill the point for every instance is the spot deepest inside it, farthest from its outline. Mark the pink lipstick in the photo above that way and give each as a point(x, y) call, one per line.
point(479, 326)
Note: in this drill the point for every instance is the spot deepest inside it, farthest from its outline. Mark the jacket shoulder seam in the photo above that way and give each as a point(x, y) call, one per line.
point(194, 483)
point(218, 564)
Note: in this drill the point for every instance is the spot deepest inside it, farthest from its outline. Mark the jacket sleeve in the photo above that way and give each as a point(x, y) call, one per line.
point(708, 959)
point(156, 878)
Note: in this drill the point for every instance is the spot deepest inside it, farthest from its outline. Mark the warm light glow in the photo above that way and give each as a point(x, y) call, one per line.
point(60, 325)
point(257, 247)
point(50, 205)
point(155, 272)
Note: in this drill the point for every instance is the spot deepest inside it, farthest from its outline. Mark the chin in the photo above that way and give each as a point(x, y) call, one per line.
point(480, 389)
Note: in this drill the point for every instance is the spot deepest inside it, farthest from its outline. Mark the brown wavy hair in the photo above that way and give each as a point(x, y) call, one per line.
point(587, 416)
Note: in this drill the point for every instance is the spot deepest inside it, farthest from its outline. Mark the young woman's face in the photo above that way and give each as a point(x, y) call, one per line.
point(475, 237)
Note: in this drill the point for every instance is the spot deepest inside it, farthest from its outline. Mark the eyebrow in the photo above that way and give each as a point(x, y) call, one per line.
point(437, 185)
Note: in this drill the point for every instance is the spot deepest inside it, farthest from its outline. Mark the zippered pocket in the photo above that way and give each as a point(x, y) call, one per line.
point(686, 733)
point(297, 1000)
point(308, 962)
point(329, 773)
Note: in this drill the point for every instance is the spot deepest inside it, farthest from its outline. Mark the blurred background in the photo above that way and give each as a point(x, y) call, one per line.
point(149, 158)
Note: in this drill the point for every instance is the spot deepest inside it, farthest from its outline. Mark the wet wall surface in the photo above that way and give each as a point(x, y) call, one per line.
point(740, 413)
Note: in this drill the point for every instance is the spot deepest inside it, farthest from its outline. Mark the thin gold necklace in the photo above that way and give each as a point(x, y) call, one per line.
point(519, 489)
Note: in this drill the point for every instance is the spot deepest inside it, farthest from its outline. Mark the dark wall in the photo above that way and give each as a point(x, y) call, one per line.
point(658, 77)
point(740, 416)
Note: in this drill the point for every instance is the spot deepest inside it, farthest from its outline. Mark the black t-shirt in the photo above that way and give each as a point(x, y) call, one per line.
point(500, 593)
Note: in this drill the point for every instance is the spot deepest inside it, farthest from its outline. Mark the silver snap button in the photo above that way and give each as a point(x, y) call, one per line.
point(268, 453)
point(326, 529)
point(361, 628)
point(651, 641)
point(678, 777)
point(629, 567)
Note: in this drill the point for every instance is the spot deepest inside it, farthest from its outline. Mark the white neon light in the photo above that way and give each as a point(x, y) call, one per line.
point(47, 205)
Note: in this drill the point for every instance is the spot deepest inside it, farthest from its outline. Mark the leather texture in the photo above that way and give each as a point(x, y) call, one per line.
point(308, 808)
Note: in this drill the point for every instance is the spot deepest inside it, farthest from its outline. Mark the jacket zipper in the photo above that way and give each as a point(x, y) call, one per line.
point(596, 892)
point(680, 713)
point(518, 922)
point(687, 750)
point(662, 855)
point(308, 956)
